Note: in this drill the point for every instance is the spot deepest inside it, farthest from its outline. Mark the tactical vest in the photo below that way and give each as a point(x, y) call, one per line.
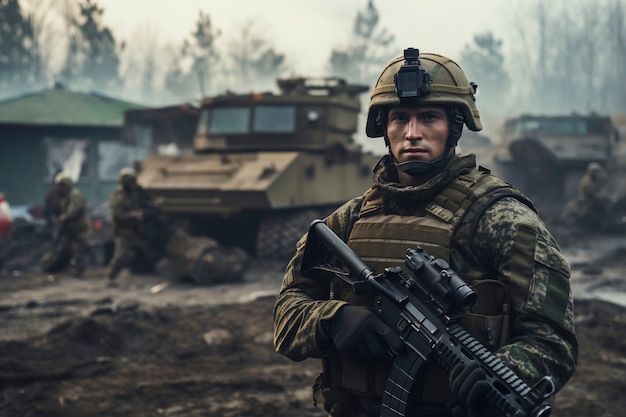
point(381, 240)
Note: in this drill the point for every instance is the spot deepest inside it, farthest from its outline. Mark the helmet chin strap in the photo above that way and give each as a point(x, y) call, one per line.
point(420, 168)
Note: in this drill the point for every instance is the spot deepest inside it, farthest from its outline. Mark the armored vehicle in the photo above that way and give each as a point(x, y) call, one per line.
point(265, 165)
point(546, 156)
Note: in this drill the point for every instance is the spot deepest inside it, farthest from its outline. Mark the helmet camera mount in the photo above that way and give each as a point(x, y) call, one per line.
point(412, 82)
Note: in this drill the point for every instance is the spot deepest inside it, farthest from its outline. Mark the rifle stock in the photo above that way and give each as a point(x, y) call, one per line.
point(424, 310)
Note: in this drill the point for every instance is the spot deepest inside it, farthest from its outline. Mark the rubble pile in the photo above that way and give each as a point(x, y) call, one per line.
point(202, 260)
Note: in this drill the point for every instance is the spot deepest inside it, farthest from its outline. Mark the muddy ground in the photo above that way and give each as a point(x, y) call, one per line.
point(151, 347)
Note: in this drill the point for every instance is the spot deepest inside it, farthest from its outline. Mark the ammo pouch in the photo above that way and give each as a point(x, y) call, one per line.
point(488, 320)
point(336, 400)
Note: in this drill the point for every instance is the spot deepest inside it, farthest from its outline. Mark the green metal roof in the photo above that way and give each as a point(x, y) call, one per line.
point(60, 107)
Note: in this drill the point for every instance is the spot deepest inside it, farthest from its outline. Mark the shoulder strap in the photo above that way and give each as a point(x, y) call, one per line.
point(493, 190)
point(373, 202)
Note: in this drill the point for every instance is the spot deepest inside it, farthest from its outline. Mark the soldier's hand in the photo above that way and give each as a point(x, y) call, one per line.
point(360, 334)
point(469, 386)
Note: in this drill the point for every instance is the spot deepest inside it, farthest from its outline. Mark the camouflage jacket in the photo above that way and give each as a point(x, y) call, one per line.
point(543, 340)
point(590, 191)
point(73, 216)
point(123, 203)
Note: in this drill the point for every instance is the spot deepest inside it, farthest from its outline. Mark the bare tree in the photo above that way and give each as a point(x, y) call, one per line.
point(614, 84)
point(93, 54)
point(367, 50)
point(483, 61)
point(570, 56)
point(72, 61)
point(18, 58)
point(528, 63)
point(253, 62)
point(141, 67)
point(191, 67)
point(203, 52)
point(40, 13)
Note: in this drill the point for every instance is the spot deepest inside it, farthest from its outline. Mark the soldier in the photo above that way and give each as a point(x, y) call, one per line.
point(424, 193)
point(73, 221)
point(593, 206)
point(51, 201)
point(130, 204)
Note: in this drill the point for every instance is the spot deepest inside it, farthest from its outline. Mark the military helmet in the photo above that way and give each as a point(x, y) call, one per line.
point(127, 176)
point(448, 86)
point(59, 175)
point(64, 179)
point(594, 167)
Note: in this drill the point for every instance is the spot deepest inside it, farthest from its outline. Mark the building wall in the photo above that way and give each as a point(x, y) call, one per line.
point(25, 168)
point(21, 161)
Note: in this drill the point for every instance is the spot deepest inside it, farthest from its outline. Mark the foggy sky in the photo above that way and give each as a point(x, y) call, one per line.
point(306, 34)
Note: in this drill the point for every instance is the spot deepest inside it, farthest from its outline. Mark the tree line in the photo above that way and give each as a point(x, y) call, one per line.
point(556, 56)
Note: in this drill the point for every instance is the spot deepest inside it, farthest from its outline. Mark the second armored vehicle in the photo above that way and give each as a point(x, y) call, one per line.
point(546, 156)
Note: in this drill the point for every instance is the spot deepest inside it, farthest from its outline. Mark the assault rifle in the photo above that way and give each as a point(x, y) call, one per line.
point(424, 310)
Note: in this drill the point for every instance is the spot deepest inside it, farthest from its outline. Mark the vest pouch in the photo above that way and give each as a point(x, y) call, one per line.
point(488, 320)
point(337, 401)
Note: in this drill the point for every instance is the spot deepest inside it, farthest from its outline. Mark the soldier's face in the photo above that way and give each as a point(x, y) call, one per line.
point(417, 133)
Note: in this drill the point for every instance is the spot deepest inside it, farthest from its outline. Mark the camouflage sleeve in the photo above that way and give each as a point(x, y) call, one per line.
point(513, 240)
point(75, 208)
point(587, 189)
point(304, 301)
point(120, 211)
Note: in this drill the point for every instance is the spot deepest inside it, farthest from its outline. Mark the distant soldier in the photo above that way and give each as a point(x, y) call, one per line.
point(130, 206)
point(73, 221)
point(593, 205)
point(51, 207)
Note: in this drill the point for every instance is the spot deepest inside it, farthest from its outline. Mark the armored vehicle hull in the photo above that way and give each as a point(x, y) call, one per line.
point(261, 201)
point(265, 166)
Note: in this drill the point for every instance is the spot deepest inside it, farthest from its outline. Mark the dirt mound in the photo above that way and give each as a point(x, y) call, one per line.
point(130, 359)
point(78, 348)
point(596, 389)
point(168, 361)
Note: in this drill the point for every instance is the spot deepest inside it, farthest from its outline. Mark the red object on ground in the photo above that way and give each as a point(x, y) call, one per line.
point(5, 217)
